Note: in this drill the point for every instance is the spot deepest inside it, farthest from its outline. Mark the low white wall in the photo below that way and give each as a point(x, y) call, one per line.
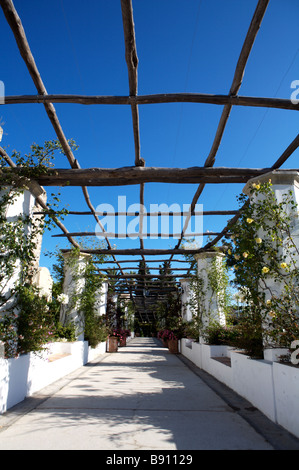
point(21, 377)
point(286, 381)
point(270, 386)
point(252, 379)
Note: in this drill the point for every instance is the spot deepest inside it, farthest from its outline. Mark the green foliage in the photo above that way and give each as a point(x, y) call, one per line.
point(34, 322)
point(218, 334)
point(65, 332)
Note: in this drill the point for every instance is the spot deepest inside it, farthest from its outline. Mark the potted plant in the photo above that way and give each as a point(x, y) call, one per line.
point(163, 336)
point(112, 343)
point(173, 343)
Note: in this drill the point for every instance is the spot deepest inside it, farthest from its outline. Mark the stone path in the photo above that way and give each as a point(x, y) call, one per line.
point(141, 398)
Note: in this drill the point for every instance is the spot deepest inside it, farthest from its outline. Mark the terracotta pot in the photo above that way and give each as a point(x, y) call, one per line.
point(123, 342)
point(112, 344)
point(173, 346)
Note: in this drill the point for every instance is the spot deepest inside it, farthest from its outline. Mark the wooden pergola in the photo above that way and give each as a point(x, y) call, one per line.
point(139, 173)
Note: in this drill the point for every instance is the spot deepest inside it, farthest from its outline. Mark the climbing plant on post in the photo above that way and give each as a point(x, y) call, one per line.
point(81, 284)
point(264, 253)
point(25, 322)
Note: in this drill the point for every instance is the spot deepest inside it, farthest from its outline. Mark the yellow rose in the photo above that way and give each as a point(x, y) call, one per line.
point(245, 254)
point(268, 302)
point(229, 251)
point(249, 220)
point(237, 257)
point(283, 265)
point(265, 270)
point(258, 240)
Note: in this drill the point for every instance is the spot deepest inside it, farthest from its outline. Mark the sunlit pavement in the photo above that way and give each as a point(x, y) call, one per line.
point(140, 398)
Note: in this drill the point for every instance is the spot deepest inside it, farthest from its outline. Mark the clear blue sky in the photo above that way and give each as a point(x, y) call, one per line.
point(182, 46)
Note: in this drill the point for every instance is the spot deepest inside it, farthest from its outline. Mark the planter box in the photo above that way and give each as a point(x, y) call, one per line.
point(221, 371)
point(286, 381)
point(192, 351)
point(112, 344)
point(270, 386)
point(253, 380)
point(22, 376)
point(173, 346)
point(97, 351)
point(272, 354)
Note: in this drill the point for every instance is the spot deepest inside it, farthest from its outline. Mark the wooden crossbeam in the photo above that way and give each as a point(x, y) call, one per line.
point(138, 251)
point(145, 276)
point(131, 235)
point(135, 175)
point(146, 214)
point(146, 261)
point(200, 98)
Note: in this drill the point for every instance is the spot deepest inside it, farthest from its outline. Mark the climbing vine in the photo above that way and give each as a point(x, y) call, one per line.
point(25, 321)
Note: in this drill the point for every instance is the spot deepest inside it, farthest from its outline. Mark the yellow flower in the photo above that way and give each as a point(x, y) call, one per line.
point(245, 254)
point(268, 302)
point(265, 270)
point(249, 220)
point(229, 251)
point(256, 186)
point(283, 265)
point(236, 257)
point(258, 240)
point(272, 314)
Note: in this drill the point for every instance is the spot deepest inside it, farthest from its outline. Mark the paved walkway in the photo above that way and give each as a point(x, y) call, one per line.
point(141, 398)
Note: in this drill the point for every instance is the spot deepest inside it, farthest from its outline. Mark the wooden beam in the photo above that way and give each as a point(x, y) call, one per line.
point(145, 276)
point(153, 268)
point(287, 153)
point(132, 64)
point(138, 251)
point(199, 98)
point(147, 214)
point(131, 235)
point(135, 175)
point(147, 261)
